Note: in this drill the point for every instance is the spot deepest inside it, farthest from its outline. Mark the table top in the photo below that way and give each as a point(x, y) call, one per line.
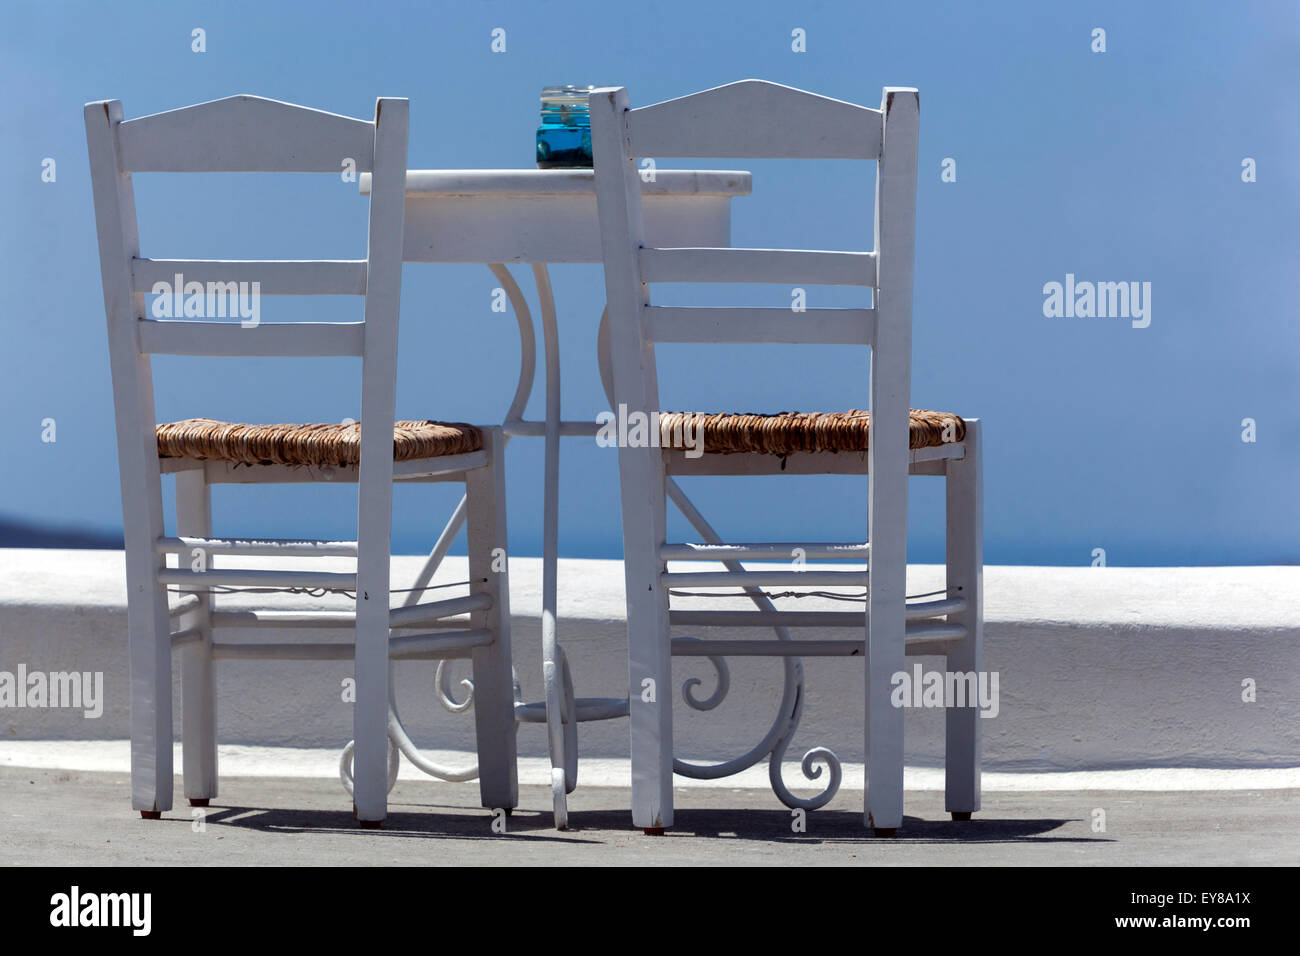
point(446, 183)
point(549, 215)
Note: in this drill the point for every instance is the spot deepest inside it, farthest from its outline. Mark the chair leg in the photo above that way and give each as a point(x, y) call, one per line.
point(370, 659)
point(650, 709)
point(884, 795)
point(494, 703)
point(887, 627)
point(198, 680)
point(965, 579)
point(150, 649)
point(650, 698)
point(370, 722)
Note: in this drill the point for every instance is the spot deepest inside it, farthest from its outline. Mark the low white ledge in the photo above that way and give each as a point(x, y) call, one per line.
point(1100, 669)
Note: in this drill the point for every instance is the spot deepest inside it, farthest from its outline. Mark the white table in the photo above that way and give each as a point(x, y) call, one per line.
point(535, 216)
point(549, 215)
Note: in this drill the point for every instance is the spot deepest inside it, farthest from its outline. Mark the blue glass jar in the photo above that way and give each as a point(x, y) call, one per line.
point(564, 137)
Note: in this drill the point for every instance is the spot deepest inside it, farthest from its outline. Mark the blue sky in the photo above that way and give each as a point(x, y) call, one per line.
point(1116, 166)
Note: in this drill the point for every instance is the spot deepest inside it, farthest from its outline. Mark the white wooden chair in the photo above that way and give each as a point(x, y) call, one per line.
point(736, 121)
point(251, 134)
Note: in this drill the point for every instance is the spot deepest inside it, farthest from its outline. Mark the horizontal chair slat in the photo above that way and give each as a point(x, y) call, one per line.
point(414, 647)
point(430, 646)
point(720, 123)
point(723, 579)
point(693, 647)
point(568, 429)
point(423, 613)
point(245, 134)
point(301, 339)
point(185, 605)
point(273, 276)
point(282, 651)
point(796, 266)
point(926, 609)
point(935, 631)
point(191, 635)
point(260, 577)
point(284, 547)
point(690, 551)
point(259, 617)
point(313, 620)
point(768, 618)
point(915, 612)
point(440, 467)
point(760, 326)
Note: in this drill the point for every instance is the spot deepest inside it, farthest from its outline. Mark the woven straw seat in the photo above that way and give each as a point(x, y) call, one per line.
point(334, 446)
point(785, 433)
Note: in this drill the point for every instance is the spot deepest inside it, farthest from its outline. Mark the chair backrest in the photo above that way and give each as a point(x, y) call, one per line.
point(247, 134)
point(757, 119)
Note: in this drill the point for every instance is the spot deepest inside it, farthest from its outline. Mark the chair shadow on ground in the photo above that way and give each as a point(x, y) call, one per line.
point(418, 820)
point(846, 827)
point(454, 823)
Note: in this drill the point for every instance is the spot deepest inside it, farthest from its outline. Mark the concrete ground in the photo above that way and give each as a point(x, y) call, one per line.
point(59, 817)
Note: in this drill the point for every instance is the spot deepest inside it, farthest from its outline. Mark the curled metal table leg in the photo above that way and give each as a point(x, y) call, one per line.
point(776, 741)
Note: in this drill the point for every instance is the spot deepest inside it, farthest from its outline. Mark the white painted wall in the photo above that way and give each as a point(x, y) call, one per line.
point(1099, 668)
